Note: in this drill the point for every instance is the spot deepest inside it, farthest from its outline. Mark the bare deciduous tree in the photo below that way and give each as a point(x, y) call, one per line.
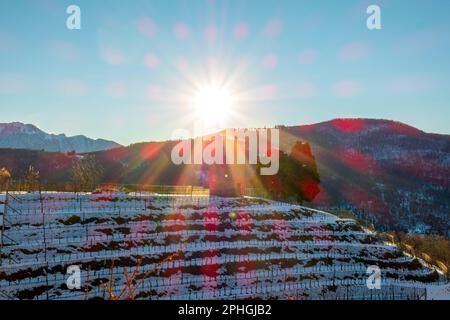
point(132, 281)
point(31, 179)
point(5, 177)
point(86, 172)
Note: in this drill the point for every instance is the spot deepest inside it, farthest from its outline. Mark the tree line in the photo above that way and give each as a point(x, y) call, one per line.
point(84, 176)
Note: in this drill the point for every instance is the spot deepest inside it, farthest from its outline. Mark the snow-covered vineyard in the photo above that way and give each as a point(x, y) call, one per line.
point(184, 247)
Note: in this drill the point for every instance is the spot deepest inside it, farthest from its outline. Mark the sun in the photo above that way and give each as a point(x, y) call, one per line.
point(212, 104)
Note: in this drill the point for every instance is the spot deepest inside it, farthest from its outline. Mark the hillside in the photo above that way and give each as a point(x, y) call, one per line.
point(390, 173)
point(386, 169)
point(197, 248)
point(150, 164)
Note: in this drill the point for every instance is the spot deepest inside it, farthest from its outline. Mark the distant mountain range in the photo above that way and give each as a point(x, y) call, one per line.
point(385, 171)
point(17, 135)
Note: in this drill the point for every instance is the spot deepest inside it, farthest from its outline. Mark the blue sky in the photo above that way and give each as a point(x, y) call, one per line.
point(129, 74)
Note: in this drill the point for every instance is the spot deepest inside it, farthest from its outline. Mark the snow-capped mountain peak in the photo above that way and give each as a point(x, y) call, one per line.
point(18, 128)
point(17, 135)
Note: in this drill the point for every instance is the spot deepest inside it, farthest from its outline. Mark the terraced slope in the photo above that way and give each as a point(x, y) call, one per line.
point(194, 248)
